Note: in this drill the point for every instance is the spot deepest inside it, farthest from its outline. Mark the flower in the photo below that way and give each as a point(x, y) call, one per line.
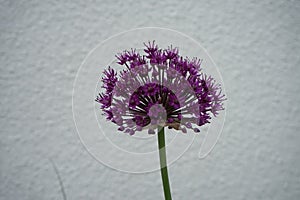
point(159, 89)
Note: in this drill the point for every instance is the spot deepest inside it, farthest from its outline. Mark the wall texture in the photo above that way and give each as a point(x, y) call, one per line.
point(256, 45)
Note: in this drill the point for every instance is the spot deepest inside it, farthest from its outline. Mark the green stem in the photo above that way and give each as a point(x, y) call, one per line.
point(163, 163)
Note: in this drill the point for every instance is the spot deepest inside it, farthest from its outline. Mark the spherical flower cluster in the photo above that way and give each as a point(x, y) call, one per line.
point(159, 89)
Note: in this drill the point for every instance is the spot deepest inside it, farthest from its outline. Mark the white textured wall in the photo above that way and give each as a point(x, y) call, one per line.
point(256, 46)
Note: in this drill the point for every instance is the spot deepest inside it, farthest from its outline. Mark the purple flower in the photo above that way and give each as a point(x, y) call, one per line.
point(171, 53)
point(160, 88)
point(130, 58)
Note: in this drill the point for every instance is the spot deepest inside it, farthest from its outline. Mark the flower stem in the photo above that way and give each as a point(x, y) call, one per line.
point(163, 163)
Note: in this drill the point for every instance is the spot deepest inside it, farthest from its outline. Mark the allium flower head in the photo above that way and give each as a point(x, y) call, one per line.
point(159, 89)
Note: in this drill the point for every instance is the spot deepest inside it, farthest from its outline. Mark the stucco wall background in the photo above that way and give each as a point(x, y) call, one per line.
point(255, 45)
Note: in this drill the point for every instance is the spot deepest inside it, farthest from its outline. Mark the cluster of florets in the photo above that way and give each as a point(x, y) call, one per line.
point(160, 88)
